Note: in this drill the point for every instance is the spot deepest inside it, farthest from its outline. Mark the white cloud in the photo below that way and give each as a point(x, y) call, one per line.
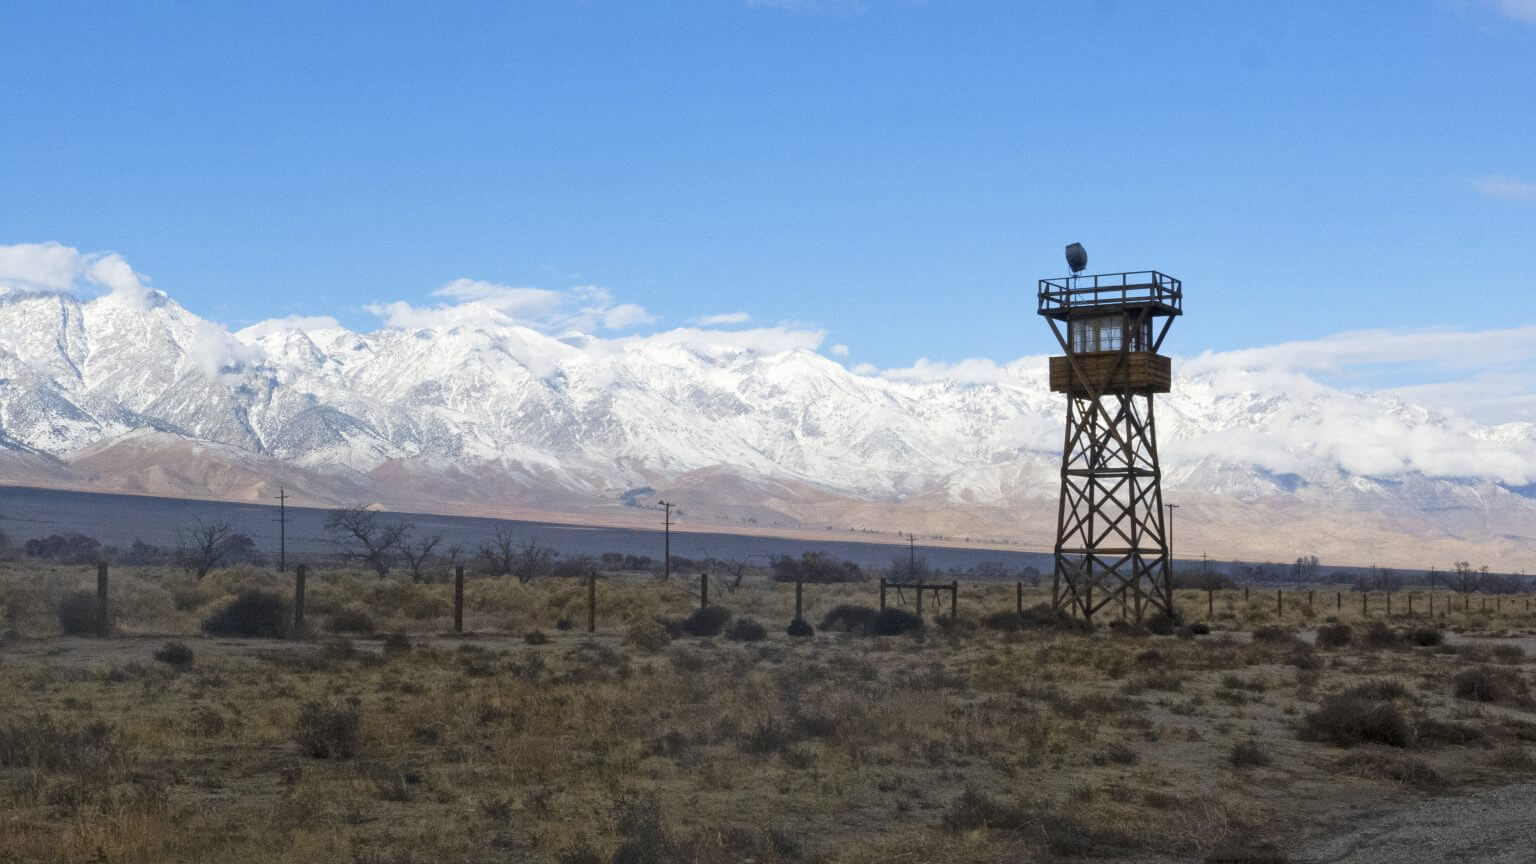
point(972, 371)
point(839, 350)
point(722, 320)
point(57, 268)
point(1451, 349)
point(1503, 188)
point(214, 351)
point(581, 309)
point(626, 315)
point(1283, 418)
point(1520, 10)
point(302, 323)
point(762, 340)
point(514, 301)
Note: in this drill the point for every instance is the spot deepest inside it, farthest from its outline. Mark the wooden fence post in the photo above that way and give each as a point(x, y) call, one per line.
point(954, 598)
point(919, 604)
point(1279, 603)
point(103, 614)
point(1018, 598)
point(703, 590)
point(1365, 610)
point(1210, 603)
point(799, 598)
point(592, 601)
point(1389, 604)
point(299, 573)
point(1309, 599)
point(882, 593)
point(1245, 593)
point(1410, 604)
point(1338, 600)
point(458, 598)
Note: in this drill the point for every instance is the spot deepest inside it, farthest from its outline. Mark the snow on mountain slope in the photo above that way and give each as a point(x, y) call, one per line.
point(756, 429)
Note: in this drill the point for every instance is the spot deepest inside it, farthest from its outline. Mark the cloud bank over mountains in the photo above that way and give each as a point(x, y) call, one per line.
point(562, 399)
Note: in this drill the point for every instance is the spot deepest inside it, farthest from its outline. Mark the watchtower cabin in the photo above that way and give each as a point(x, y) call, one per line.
point(1111, 543)
point(1111, 327)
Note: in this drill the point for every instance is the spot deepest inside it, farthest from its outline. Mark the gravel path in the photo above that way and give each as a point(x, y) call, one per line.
point(1494, 826)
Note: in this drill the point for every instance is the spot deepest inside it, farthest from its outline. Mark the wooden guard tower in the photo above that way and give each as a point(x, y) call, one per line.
point(1111, 542)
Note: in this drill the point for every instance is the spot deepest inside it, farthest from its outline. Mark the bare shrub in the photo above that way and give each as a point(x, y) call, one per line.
point(1450, 732)
point(175, 654)
point(397, 643)
point(40, 743)
point(648, 636)
point(78, 612)
point(1274, 635)
point(746, 630)
point(1426, 637)
point(800, 629)
point(350, 619)
point(1487, 684)
point(1060, 833)
point(1392, 766)
point(256, 614)
point(1379, 635)
point(1333, 636)
point(708, 621)
point(1248, 754)
point(896, 622)
point(1348, 719)
point(329, 731)
point(850, 618)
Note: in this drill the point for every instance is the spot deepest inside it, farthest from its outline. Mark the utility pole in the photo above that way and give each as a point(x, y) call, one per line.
point(666, 555)
point(1169, 575)
point(282, 529)
point(1171, 508)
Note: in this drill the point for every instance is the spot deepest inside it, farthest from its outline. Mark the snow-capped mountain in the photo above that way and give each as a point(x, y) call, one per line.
point(136, 394)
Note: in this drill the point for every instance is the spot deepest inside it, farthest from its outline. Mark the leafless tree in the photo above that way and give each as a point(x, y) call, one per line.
point(532, 561)
point(206, 544)
point(419, 555)
point(364, 537)
point(500, 555)
point(1466, 582)
point(1305, 569)
point(736, 568)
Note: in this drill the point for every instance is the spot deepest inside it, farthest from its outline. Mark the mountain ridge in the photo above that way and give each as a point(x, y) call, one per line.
point(752, 427)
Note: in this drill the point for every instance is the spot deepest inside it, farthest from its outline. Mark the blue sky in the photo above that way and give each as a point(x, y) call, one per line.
point(897, 173)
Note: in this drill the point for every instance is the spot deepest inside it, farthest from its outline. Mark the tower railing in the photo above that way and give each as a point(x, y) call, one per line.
point(1141, 287)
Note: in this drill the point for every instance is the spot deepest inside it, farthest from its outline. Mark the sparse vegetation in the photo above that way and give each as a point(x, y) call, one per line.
point(1247, 753)
point(329, 731)
point(350, 619)
point(376, 739)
